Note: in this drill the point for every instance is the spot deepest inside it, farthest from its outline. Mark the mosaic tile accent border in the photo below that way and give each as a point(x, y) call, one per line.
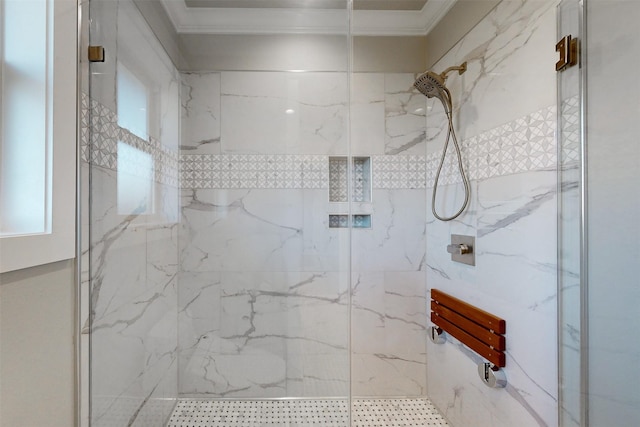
point(84, 127)
point(306, 413)
point(523, 145)
point(399, 172)
point(100, 125)
point(570, 130)
point(244, 171)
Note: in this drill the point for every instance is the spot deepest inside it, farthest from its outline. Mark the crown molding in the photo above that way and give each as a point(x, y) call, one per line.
point(305, 21)
point(400, 23)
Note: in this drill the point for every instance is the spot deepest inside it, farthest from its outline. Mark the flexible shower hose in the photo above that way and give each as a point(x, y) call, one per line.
point(465, 181)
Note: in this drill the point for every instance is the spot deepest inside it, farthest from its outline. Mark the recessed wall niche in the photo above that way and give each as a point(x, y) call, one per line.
point(339, 179)
point(357, 221)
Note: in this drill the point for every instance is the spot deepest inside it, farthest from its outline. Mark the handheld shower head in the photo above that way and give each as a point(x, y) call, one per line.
point(432, 85)
point(429, 84)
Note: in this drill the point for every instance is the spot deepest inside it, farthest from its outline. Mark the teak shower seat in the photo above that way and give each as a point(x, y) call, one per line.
point(480, 331)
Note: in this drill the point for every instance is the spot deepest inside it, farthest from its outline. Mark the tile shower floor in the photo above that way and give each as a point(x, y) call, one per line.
point(305, 413)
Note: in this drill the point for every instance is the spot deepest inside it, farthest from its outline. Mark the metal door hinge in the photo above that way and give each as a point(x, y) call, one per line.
point(567, 47)
point(96, 54)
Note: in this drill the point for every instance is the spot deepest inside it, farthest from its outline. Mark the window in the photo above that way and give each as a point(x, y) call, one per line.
point(38, 131)
point(135, 181)
point(133, 100)
point(136, 186)
point(24, 116)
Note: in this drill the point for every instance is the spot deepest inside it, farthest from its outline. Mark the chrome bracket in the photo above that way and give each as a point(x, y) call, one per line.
point(437, 335)
point(491, 375)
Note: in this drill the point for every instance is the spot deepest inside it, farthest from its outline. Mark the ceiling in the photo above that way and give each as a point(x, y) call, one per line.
point(369, 17)
point(310, 4)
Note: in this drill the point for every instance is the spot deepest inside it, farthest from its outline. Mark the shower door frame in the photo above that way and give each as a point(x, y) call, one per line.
point(577, 82)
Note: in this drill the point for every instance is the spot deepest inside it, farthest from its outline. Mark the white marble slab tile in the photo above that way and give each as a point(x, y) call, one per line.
point(367, 114)
point(292, 324)
point(278, 113)
point(396, 239)
point(513, 218)
point(241, 230)
point(405, 110)
point(388, 333)
point(513, 280)
point(201, 113)
point(510, 67)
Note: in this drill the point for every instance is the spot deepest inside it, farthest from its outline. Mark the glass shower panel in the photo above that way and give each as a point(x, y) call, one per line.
point(613, 203)
point(132, 107)
point(389, 306)
point(570, 168)
point(264, 280)
point(598, 274)
point(263, 293)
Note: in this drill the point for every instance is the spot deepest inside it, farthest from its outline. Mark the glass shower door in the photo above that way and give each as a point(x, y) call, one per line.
point(598, 274)
point(133, 115)
point(219, 267)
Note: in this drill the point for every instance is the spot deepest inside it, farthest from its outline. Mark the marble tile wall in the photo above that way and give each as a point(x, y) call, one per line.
point(255, 236)
point(278, 205)
point(130, 260)
point(524, 144)
point(264, 282)
point(512, 214)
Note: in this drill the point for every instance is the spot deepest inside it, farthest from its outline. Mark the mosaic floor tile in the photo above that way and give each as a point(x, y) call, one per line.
point(306, 413)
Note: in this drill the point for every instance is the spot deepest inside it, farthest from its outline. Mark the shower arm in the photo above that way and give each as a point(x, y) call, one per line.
point(460, 69)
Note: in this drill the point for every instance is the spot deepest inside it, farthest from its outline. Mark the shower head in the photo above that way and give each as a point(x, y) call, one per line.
point(432, 85)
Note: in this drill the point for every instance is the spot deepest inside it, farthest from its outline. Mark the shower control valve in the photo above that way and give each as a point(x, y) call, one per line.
point(459, 249)
point(462, 249)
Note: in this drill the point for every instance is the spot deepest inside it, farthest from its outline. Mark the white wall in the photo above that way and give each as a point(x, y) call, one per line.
point(613, 157)
point(37, 346)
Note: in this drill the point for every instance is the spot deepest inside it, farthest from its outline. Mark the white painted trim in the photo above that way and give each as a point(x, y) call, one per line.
point(305, 21)
point(255, 21)
point(400, 23)
point(17, 252)
point(433, 11)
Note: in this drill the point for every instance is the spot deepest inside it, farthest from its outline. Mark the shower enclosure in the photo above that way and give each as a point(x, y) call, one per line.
point(255, 233)
point(257, 228)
